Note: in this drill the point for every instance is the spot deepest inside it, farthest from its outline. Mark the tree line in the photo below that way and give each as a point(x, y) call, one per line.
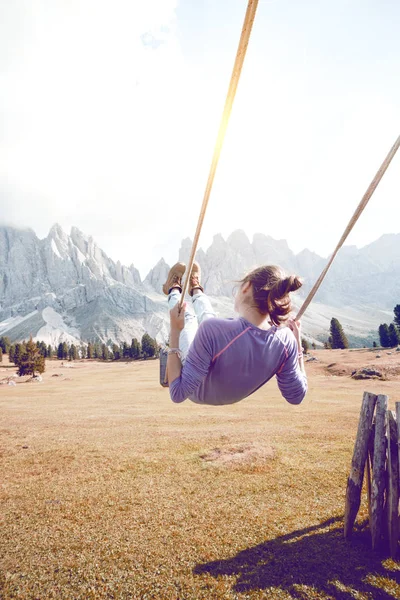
point(147, 348)
point(30, 354)
point(18, 352)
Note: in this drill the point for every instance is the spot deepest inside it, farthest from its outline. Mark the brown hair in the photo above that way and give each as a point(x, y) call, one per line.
point(271, 290)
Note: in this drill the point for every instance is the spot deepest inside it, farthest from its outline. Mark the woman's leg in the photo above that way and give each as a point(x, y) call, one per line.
point(202, 306)
point(189, 331)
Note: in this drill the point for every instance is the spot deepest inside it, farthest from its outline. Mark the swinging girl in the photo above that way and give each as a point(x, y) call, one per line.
point(221, 361)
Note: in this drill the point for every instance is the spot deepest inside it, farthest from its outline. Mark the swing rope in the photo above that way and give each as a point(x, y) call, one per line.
point(237, 69)
point(363, 203)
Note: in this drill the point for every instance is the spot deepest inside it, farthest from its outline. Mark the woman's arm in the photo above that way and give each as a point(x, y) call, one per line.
point(292, 378)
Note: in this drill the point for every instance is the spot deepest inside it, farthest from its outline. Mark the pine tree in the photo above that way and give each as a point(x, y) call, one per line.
point(126, 353)
point(396, 311)
point(60, 355)
point(374, 344)
point(339, 340)
point(42, 348)
point(304, 345)
point(17, 353)
point(104, 352)
point(65, 350)
point(49, 351)
point(1, 354)
point(30, 360)
point(116, 351)
point(149, 346)
point(11, 353)
point(384, 335)
point(89, 352)
point(5, 344)
point(393, 335)
point(135, 349)
point(72, 352)
point(314, 346)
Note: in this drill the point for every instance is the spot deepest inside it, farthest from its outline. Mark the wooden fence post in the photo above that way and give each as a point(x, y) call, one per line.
point(393, 483)
point(355, 480)
point(378, 471)
point(368, 468)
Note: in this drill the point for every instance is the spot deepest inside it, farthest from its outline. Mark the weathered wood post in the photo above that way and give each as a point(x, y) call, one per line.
point(368, 467)
point(378, 471)
point(355, 480)
point(393, 483)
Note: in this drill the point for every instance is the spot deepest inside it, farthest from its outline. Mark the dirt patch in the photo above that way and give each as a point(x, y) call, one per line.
point(339, 370)
point(238, 454)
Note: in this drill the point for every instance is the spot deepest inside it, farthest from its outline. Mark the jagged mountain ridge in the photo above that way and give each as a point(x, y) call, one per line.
point(66, 287)
point(369, 276)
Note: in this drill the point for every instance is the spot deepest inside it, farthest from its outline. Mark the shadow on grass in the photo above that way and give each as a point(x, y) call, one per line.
point(318, 557)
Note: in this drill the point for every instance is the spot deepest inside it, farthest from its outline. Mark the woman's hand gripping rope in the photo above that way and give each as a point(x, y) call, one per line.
point(295, 326)
point(177, 318)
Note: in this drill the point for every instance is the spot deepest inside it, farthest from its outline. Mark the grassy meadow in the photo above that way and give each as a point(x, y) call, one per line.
point(109, 490)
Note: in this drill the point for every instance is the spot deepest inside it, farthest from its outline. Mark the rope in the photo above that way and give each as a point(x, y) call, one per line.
point(364, 201)
point(237, 69)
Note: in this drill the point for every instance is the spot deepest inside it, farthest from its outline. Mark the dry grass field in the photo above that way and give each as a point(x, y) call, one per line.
point(109, 490)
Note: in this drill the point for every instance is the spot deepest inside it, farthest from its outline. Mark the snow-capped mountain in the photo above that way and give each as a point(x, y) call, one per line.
point(64, 287)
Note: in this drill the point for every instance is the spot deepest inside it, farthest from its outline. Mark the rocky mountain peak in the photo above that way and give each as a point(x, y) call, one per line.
point(80, 240)
point(156, 278)
point(238, 239)
point(218, 241)
point(56, 231)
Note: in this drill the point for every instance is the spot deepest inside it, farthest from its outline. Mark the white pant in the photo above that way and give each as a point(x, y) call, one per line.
point(200, 310)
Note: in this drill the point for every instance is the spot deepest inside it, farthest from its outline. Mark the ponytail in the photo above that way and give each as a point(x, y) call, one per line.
point(271, 289)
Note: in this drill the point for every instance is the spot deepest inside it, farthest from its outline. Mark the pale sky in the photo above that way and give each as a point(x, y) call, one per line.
point(109, 111)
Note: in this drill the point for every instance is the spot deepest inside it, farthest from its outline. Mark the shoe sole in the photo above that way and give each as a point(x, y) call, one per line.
point(179, 268)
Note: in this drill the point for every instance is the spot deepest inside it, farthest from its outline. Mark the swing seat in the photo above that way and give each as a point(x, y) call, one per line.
point(163, 367)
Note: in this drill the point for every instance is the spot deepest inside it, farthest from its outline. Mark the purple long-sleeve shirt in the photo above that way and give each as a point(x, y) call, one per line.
point(229, 359)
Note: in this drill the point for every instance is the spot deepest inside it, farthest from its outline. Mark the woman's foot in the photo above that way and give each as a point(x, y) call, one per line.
point(174, 279)
point(195, 275)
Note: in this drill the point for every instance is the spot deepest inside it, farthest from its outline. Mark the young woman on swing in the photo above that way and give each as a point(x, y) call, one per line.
point(221, 361)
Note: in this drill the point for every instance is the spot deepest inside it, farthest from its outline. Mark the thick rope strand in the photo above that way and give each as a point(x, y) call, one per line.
point(237, 69)
point(363, 203)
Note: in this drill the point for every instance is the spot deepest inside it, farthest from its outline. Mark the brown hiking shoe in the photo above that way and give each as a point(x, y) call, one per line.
point(195, 275)
point(174, 279)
